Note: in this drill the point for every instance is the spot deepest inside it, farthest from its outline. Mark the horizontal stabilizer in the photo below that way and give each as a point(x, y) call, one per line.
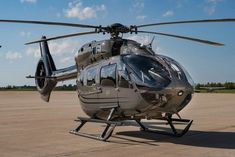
point(40, 77)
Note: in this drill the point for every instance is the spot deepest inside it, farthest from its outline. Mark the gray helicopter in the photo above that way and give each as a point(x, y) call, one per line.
point(120, 79)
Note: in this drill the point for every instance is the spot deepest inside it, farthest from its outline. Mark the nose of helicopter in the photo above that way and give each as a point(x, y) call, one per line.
point(178, 97)
point(170, 99)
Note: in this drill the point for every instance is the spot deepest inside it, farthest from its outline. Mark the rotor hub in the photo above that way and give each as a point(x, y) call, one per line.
point(117, 28)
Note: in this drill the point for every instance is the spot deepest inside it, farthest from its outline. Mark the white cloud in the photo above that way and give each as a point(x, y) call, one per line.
point(140, 17)
point(60, 48)
point(211, 5)
point(101, 8)
point(28, 1)
point(168, 13)
point(56, 48)
point(210, 10)
point(33, 51)
point(137, 7)
point(25, 34)
point(76, 10)
point(138, 4)
point(13, 55)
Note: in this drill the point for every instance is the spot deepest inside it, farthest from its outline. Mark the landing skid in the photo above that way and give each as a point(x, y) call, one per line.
point(107, 132)
point(110, 126)
point(170, 121)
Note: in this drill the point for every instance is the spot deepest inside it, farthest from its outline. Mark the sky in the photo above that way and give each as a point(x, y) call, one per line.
point(204, 63)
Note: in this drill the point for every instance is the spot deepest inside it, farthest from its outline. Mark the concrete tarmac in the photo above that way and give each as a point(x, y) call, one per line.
point(30, 127)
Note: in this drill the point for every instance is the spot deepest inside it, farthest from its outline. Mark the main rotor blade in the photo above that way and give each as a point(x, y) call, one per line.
point(62, 36)
point(184, 37)
point(50, 23)
point(190, 21)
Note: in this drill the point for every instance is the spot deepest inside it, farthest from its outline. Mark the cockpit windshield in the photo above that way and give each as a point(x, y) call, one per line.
point(178, 70)
point(148, 71)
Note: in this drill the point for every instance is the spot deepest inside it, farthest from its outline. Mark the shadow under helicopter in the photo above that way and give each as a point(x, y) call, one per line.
point(210, 139)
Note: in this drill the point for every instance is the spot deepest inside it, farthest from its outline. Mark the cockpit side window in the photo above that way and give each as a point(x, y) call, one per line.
point(181, 71)
point(80, 79)
point(123, 78)
point(108, 75)
point(98, 48)
point(90, 76)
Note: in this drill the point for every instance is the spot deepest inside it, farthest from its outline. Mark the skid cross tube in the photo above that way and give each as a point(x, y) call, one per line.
point(104, 135)
point(110, 125)
point(169, 121)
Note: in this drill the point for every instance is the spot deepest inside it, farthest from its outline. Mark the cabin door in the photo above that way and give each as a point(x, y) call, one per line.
point(127, 97)
point(108, 82)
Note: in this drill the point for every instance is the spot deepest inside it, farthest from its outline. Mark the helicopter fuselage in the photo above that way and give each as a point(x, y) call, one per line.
point(120, 79)
point(132, 78)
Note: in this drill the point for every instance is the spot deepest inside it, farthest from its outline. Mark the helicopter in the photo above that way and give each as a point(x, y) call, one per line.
point(120, 79)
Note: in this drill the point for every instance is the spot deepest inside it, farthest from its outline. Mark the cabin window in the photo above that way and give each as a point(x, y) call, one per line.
point(81, 79)
point(108, 75)
point(123, 79)
point(98, 48)
point(91, 74)
point(94, 50)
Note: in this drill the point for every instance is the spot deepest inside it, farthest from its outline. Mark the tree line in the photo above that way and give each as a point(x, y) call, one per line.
point(69, 87)
point(226, 85)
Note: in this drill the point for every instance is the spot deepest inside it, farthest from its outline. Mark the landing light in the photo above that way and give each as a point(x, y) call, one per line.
point(180, 93)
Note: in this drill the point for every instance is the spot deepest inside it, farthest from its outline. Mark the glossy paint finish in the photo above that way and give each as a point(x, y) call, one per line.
point(123, 74)
point(115, 82)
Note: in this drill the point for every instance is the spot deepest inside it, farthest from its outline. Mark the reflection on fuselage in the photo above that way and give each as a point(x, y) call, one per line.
point(139, 85)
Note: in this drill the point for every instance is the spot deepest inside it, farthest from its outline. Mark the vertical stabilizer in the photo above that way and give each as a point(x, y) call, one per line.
point(43, 77)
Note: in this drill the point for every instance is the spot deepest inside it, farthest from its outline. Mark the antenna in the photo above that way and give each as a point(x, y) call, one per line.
point(151, 43)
